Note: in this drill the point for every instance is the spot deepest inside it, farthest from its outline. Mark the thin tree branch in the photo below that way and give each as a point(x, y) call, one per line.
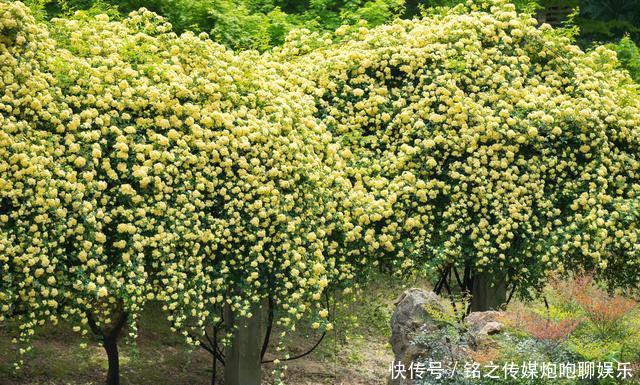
point(513, 290)
point(93, 326)
point(446, 286)
point(468, 279)
point(211, 349)
point(438, 287)
point(122, 320)
point(460, 283)
point(300, 355)
point(207, 348)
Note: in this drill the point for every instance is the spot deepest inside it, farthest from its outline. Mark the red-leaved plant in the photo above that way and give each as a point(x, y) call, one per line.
point(549, 330)
point(605, 311)
point(544, 329)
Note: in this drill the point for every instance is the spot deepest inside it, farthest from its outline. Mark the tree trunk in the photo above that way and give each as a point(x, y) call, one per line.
point(111, 347)
point(489, 292)
point(242, 361)
point(214, 366)
point(110, 344)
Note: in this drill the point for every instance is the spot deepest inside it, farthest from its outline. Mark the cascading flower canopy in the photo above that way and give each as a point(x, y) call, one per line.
point(139, 165)
point(480, 141)
point(144, 165)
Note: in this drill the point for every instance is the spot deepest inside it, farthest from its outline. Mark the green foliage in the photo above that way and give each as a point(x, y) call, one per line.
point(610, 327)
point(262, 24)
point(629, 56)
point(375, 12)
point(418, 7)
point(449, 313)
point(244, 24)
point(608, 19)
point(46, 9)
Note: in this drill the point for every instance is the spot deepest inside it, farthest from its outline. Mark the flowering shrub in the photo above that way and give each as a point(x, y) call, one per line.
point(138, 165)
point(476, 139)
point(30, 246)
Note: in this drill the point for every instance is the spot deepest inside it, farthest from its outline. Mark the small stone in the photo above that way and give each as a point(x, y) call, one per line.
point(491, 328)
point(477, 320)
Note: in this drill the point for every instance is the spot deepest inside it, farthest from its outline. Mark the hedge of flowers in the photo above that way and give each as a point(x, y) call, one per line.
point(140, 165)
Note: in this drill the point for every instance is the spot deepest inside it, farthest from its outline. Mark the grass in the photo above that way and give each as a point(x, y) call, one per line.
point(57, 358)
point(357, 352)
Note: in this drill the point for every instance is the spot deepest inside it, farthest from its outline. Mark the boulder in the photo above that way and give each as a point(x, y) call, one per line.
point(410, 319)
point(417, 337)
point(480, 325)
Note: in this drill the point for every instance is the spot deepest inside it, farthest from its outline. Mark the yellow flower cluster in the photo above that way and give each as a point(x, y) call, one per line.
point(29, 246)
point(477, 139)
point(138, 164)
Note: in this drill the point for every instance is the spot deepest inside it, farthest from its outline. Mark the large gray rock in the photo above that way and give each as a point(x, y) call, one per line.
point(416, 336)
point(409, 320)
point(410, 317)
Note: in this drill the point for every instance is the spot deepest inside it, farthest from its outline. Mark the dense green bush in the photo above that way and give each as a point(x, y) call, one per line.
point(244, 24)
point(261, 24)
point(629, 56)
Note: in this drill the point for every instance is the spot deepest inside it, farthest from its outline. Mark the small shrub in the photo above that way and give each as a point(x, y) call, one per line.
point(549, 330)
point(605, 311)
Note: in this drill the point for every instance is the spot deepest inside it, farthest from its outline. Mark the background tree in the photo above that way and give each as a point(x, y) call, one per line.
point(263, 24)
point(246, 24)
point(629, 56)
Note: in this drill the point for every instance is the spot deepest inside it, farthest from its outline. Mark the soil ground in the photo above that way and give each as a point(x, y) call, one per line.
point(355, 353)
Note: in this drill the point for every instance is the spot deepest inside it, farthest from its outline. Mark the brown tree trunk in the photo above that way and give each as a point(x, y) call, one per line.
point(489, 292)
point(110, 344)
